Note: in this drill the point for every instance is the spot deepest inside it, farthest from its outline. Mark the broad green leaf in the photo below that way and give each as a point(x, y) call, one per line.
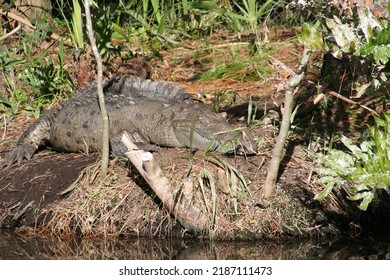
point(311, 37)
point(327, 190)
point(366, 201)
point(119, 30)
point(360, 187)
point(359, 195)
point(327, 180)
point(367, 22)
point(344, 35)
point(356, 151)
point(205, 5)
point(381, 54)
point(77, 24)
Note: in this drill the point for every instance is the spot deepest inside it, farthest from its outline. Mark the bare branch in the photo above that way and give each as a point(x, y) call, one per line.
point(13, 31)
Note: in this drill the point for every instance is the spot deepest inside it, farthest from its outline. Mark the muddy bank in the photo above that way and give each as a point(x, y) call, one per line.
point(60, 194)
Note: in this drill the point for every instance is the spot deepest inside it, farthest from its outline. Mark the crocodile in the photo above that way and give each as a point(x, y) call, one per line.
point(153, 114)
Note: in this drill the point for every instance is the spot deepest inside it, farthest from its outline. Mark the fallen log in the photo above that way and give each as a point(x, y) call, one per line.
point(190, 216)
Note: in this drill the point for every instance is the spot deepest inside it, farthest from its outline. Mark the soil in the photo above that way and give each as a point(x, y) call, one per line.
point(61, 194)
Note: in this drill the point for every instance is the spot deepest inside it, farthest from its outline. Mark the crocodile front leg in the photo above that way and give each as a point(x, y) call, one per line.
point(29, 141)
point(119, 149)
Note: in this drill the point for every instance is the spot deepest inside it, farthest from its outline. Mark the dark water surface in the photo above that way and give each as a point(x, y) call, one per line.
point(13, 246)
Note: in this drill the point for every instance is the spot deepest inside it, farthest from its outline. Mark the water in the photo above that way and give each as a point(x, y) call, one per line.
point(13, 247)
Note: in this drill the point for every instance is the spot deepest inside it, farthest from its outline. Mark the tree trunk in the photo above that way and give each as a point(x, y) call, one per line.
point(277, 153)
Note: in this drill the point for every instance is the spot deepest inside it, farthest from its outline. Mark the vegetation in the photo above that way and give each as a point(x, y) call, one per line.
point(364, 168)
point(145, 26)
point(358, 34)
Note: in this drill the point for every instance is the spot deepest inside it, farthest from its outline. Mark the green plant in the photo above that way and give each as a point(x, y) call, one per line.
point(47, 79)
point(102, 25)
point(9, 101)
point(44, 78)
point(77, 25)
point(377, 35)
point(251, 12)
point(223, 98)
point(363, 169)
point(359, 34)
point(269, 116)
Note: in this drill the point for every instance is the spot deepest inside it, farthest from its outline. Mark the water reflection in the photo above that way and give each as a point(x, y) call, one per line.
point(13, 246)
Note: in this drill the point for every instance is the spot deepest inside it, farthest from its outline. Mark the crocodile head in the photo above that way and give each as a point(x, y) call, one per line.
point(236, 142)
point(213, 133)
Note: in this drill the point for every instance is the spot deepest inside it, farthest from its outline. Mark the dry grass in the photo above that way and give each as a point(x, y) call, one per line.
point(124, 205)
point(111, 207)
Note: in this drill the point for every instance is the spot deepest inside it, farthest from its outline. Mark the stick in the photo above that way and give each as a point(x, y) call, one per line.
point(16, 29)
point(337, 95)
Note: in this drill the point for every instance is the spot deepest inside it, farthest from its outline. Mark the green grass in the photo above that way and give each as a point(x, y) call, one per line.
point(237, 70)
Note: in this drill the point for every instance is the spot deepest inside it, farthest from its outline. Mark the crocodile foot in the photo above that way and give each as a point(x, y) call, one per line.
point(20, 152)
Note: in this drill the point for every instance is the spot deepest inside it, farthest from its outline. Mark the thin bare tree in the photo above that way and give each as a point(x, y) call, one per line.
point(291, 88)
point(99, 80)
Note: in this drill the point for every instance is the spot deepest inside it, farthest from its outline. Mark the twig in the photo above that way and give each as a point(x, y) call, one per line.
point(346, 99)
point(281, 65)
point(25, 22)
point(16, 29)
point(335, 94)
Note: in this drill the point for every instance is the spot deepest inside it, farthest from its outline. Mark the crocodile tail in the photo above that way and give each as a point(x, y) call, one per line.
point(135, 87)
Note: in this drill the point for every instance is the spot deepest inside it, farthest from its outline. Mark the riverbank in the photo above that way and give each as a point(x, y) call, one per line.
point(61, 194)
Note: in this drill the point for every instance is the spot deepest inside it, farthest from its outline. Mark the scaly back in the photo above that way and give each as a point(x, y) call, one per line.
point(134, 87)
